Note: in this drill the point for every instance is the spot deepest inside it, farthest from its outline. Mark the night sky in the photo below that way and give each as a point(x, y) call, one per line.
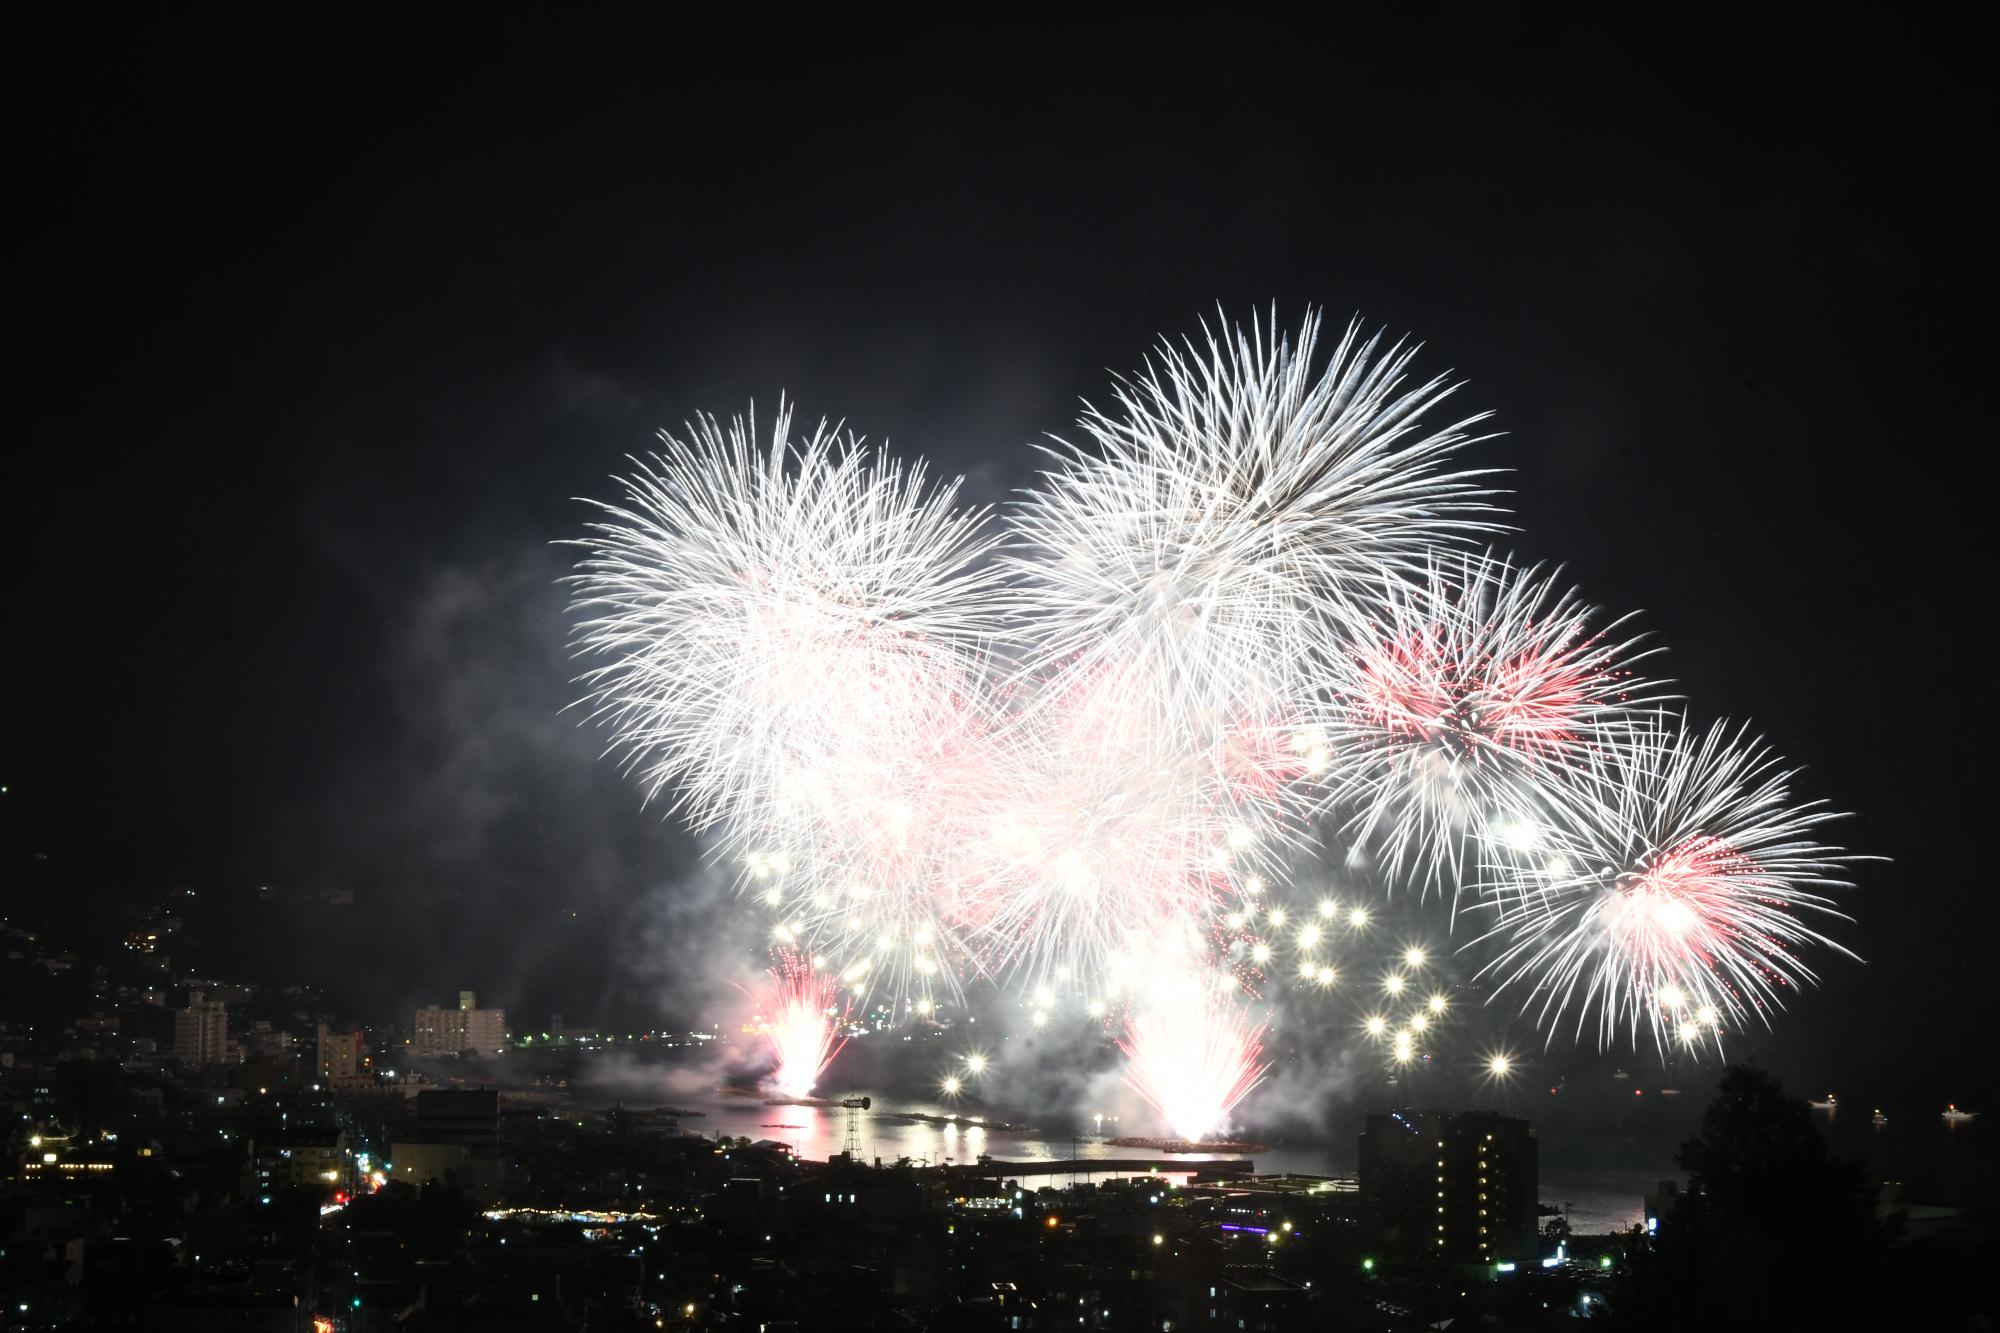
point(320, 331)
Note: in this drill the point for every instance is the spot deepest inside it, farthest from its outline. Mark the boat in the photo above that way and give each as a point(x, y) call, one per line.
point(1829, 1104)
point(1879, 1118)
point(1670, 1092)
point(1953, 1115)
point(1621, 1074)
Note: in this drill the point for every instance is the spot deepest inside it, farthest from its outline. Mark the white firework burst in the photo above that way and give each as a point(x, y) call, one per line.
point(791, 636)
point(890, 886)
point(1088, 764)
point(1464, 684)
point(1109, 833)
point(1231, 505)
point(1669, 888)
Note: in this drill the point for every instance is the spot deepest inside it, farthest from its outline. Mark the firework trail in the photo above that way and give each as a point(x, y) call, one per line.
point(1463, 686)
point(803, 1017)
point(1667, 889)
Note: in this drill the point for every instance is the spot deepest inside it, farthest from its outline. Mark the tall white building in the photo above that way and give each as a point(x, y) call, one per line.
point(485, 1030)
point(201, 1031)
point(437, 1031)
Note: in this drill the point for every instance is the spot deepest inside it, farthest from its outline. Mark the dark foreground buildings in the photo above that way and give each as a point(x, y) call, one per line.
point(1458, 1185)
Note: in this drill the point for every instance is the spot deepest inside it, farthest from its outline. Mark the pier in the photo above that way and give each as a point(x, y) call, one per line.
point(1080, 1166)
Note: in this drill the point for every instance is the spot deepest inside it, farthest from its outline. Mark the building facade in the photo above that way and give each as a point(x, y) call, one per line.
point(437, 1030)
point(455, 1139)
point(201, 1031)
point(310, 1157)
point(1460, 1186)
point(337, 1056)
point(485, 1031)
point(468, 1028)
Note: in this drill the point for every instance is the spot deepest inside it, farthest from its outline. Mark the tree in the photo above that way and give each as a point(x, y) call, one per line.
point(1773, 1232)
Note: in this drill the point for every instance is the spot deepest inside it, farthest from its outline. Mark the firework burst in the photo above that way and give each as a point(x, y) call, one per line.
point(791, 636)
point(1233, 501)
point(1088, 760)
point(774, 624)
point(1112, 834)
point(894, 886)
point(1669, 889)
point(1464, 685)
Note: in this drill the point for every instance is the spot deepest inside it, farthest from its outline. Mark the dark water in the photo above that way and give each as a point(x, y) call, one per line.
point(1604, 1199)
point(1605, 1140)
point(1935, 1160)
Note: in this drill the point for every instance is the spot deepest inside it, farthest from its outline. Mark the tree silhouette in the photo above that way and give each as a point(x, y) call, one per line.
point(1774, 1232)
